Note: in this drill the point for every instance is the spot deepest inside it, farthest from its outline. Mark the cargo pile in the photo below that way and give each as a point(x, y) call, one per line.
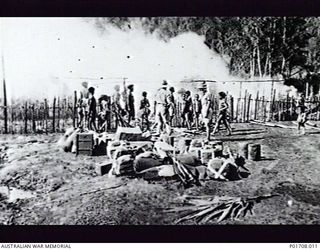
point(135, 154)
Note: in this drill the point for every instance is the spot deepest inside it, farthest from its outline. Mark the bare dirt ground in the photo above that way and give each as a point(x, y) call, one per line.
point(64, 188)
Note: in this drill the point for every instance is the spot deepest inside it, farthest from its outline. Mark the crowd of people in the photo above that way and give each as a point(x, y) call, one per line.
point(196, 111)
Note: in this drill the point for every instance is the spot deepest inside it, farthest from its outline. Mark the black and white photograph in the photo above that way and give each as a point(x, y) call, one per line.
point(177, 120)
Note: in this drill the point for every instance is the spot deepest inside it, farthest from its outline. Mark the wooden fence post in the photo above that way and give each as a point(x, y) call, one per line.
point(33, 120)
point(318, 110)
point(263, 109)
point(58, 114)
point(248, 109)
point(54, 115)
point(237, 110)
point(244, 107)
point(26, 118)
point(5, 104)
point(12, 120)
point(256, 106)
point(46, 115)
point(74, 109)
point(231, 109)
point(64, 112)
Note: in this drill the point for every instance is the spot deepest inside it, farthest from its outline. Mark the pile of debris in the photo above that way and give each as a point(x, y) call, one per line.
point(133, 153)
point(208, 208)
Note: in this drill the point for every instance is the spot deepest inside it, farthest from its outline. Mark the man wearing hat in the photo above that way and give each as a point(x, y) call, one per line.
point(161, 108)
point(130, 107)
point(207, 108)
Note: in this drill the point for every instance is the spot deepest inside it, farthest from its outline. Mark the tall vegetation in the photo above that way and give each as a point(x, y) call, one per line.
point(288, 47)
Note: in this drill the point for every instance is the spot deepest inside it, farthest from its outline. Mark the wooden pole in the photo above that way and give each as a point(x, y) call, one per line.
point(231, 108)
point(237, 110)
point(74, 109)
point(263, 109)
point(54, 115)
point(64, 112)
point(244, 107)
point(273, 102)
point(33, 120)
point(26, 118)
point(46, 115)
point(256, 106)
point(248, 108)
point(12, 120)
point(58, 114)
point(5, 108)
point(287, 106)
point(318, 111)
point(279, 110)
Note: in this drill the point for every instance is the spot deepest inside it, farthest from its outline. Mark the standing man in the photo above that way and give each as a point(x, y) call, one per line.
point(144, 108)
point(187, 110)
point(82, 105)
point(116, 107)
point(104, 116)
point(92, 104)
point(223, 111)
point(171, 105)
point(161, 109)
point(302, 114)
point(131, 109)
point(197, 109)
point(207, 108)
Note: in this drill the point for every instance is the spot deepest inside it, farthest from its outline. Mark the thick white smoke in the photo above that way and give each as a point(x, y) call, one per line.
point(52, 56)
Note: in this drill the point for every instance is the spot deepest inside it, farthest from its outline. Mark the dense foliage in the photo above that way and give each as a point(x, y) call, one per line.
point(257, 46)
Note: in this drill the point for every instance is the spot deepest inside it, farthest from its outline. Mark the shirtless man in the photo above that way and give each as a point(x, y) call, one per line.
point(207, 108)
point(222, 116)
point(82, 105)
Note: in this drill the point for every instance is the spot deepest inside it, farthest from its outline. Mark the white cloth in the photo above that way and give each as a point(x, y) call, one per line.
point(207, 111)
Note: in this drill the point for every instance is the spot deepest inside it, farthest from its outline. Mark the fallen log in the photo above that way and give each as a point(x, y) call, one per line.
point(261, 123)
point(271, 124)
point(312, 124)
point(307, 126)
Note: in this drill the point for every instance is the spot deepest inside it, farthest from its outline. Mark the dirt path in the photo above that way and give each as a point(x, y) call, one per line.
point(66, 189)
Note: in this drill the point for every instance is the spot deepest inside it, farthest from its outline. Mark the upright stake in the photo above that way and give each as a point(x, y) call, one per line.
point(74, 109)
point(231, 108)
point(58, 114)
point(33, 120)
point(256, 106)
point(54, 115)
point(46, 115)
point(5, 108)
point(244, 107)
point(248, 109)
point(26, 118)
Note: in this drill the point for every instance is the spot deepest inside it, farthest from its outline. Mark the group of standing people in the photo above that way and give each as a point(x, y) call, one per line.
point(199, 109)
point(195, 111)
point(97, 115)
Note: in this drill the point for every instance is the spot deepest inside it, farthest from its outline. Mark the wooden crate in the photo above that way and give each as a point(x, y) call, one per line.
point(85, 144)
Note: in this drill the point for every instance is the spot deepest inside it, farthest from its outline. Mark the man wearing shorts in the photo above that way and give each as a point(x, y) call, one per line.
point(161, 109)
point(302, 114)
point(222, 116)
point(207, 108)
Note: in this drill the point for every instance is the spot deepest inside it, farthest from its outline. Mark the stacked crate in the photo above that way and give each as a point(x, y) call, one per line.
point(85, 144)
